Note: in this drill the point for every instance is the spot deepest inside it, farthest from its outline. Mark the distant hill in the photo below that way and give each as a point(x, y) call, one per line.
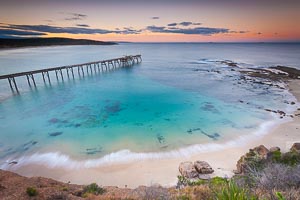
point(36, 42)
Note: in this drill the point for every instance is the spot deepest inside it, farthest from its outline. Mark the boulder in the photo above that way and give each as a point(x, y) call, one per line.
point(203, 167)
point(261, 151)
point(205, 176)
point(254, 155)
point(241, 165)
point(273, 149)
point(188, 170)
point(296, 147)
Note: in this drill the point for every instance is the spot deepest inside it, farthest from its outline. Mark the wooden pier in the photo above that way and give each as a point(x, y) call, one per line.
point(97, 66)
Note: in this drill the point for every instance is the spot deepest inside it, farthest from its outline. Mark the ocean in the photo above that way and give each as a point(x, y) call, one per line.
point(182, 99)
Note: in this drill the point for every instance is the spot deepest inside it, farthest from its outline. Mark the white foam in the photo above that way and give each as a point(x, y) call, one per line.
point(59, 160)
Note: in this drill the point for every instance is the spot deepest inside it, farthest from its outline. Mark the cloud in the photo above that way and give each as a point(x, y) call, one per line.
point(82, 25)
point(10, 33)
point(259, 33)
point(154, 17)
point(56, 29)
point(37, 30)
point(188, 31)
point(128, 30)
point(187, 28)
point(75, 16)
point(239, 32)
point(186, 23)
point(172, 24)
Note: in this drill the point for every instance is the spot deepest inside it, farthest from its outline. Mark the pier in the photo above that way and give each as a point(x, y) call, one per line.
point(81, 69)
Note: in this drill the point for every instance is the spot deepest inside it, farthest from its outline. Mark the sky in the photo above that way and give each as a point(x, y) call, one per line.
point(153, 20)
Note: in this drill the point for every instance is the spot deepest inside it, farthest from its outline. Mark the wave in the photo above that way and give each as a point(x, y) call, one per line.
point(59, 160)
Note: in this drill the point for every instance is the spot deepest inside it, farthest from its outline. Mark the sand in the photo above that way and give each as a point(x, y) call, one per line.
point(165, 171)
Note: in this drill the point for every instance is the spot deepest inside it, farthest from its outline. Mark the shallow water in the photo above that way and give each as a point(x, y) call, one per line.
point(178, 97)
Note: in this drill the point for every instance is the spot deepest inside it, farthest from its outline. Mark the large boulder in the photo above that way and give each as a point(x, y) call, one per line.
point(296, 147)
point(254, 155)
point(261, 151)
point(203, 167)
point(188, 170)
point(274, 149)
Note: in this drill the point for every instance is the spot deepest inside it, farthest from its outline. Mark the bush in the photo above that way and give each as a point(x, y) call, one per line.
point(217, 181)
point(276, 156)
point(93, 189)
point(155, 192)
point(291, 158)
point(31, 191)
point(231, 191)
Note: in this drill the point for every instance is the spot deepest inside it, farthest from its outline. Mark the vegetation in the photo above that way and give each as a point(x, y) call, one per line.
point(231, 191)
point(31, 191)
point(93, 189)
point(275, 176)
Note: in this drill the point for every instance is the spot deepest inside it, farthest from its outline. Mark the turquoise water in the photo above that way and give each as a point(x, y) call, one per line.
point(177, 98)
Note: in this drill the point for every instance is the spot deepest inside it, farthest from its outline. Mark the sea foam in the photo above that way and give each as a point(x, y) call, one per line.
point(59, 160)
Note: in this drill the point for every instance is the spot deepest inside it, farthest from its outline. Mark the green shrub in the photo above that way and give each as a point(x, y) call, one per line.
point(93, 189)
point(276, 156)
point(279, 196)
point(291, 158)
point(31, 191)
point(215, 181)
point(196, 182)
point(231, 191)
point(64, 188)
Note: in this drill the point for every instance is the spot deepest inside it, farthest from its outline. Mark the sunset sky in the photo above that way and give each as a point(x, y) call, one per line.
point(153, 21)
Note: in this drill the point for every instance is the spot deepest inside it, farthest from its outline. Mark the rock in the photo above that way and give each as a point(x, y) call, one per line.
point(261, 150)
point(203, 167)
point(273, 149)
point(188, 170)
point(204, 176)
point(296, 147)
point(273, 152)
point(241, 165)
point(256, 154)
point(55, 134)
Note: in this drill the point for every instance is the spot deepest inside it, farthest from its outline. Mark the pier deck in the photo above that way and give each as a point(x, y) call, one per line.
point(103, 65)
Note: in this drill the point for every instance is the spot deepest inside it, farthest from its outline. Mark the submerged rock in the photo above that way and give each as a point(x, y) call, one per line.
point(92, 151)
point(55, 134)
point(188, 170)
point(160, 138)
point(13, 162)
point(203, 167)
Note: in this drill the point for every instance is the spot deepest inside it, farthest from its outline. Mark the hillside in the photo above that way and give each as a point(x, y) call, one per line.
point(36, 42)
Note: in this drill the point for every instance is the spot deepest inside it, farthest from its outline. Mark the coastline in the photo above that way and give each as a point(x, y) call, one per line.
point(165, 171)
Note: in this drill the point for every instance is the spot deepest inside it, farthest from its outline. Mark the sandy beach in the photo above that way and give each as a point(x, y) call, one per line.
point(165, 171)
